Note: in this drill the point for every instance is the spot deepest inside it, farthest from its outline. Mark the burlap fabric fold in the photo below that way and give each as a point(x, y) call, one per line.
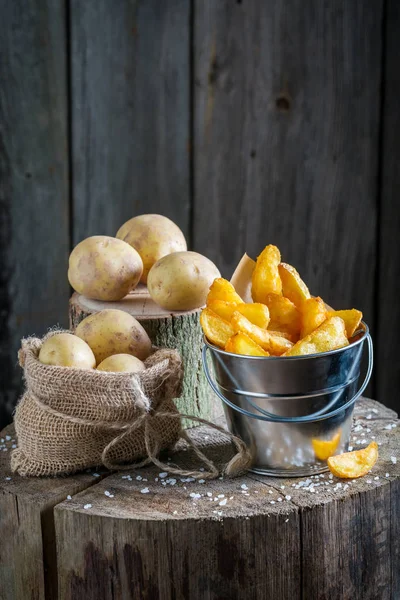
point(70, 419)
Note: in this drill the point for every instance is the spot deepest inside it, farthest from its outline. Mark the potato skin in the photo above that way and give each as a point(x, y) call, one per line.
point(104, 268)
point(153, 236)
point(124, 363)
point(113, 331)
point(67, 350)
point(181, 281)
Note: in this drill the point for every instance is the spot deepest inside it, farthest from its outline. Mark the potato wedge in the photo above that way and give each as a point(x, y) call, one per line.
point(222, 289)
point(323, 449)
point(293, 287)
point(351, 465)
point(273, 344)
point(329, 336)
point(352, 319)
point(217, 330)
point(284, 316)
point(223, 309)
point(287, 336)
point(313, 314)
point(265, 279)
point(241, 343)
point(256, 313)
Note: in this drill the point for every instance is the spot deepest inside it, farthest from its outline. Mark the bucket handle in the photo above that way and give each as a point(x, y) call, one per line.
point(302, 419)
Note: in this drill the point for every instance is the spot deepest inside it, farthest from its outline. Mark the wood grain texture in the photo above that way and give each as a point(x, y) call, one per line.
point(286, 127)
point(34, 205)
point(28, 565)
point(130, 112)
point(388, 282)
point(178, 330)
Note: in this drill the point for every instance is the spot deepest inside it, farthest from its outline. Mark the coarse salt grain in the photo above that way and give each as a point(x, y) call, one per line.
point(244, 486)
point(195, 496)
point(386, 474)
point(376, 478)
point(87, 506)
point(7, 478)
point(145, 490)
point(69, 497)
point(163, 475)
point(272, 502)
point(223, 502)
point(369, 480)
point(209, 494)
point(350, 448)
point(368, 417)
point(139, 478)
point(202, 480)
point(8, 438)
point(14, 446)
point(393, 459)
point(288, 498)
point(175, 512)
point(221, 496)
point(286, 520)
point(279, 499)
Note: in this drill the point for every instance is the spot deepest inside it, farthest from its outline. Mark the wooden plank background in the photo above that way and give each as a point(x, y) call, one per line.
point(246, 122)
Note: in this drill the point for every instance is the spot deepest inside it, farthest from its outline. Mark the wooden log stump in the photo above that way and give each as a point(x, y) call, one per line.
point(143, 534)
point(166, 329)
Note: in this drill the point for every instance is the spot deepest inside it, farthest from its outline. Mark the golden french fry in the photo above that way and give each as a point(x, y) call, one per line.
point(217, 330)
point(223, 309)
point(265, 279)
point(323, 449)
point(293, 287)
point(240, 343)
point(273, 344)
point(329, 336)
point(284, 316)
point(313, 314)
point(287, 336)
point(351, 318)
point(256, 313)
point(351, 465)
point(222, 289)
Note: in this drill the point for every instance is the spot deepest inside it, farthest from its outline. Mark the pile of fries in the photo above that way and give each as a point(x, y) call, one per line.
point(283, 318)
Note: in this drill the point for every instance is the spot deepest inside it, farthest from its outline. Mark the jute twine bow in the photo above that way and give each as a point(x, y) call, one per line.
point(239, 463)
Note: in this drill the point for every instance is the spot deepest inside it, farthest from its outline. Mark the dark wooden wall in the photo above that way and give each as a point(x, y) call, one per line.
point(246, 122)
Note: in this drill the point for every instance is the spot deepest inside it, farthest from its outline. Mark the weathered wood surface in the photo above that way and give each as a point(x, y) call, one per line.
point(130, 112)
point(388, 281)
point(166, 329)
point(286, 133)
point(34, 204)
point(338, 544)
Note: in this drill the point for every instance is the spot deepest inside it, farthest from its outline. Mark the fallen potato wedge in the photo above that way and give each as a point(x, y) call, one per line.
point(222, 289)
point(222, 308)
point(217, 330)
point(352, 319)
point(271, 343)
point(351, 465)
point(323, 449)
point(265, 279)
point(293, 287)
point(241, 343)
point(313, 314)
point(329, 336)
point(284, 316)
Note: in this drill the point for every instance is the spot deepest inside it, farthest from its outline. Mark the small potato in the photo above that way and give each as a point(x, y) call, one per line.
point(153, 236)
point(285, 317)
point(352, 319)
point(104, 268)
point(113, 331)
point(329, 336)
point(265, 278)
point(293, 287)
point(272, 344)
point(216, 330)
point(125, 363)
point(67, 350)
point(313, 314)
point(222, 289)
point(241, 343)
point(180, 281)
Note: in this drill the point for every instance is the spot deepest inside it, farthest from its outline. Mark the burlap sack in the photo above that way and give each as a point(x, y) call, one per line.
point(70, 419)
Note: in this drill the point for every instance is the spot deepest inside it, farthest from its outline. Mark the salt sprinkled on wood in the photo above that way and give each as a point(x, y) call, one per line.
point(87, 506)
point(145, 490)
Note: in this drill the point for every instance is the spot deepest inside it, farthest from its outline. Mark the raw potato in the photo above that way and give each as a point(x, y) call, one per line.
point(125, 363)
point(153, 236)
point(67, 350)
point(222, 289)
point(351, 465)
point(270, 343)
point(293, 287)
point(352, 319)
point(113, 331)
point(266, 279)
point(329, 336)
point(104, 268)
point(241, 343)
point(285, 317)
point(181, 281)
point(216, 330)
point(313, 314)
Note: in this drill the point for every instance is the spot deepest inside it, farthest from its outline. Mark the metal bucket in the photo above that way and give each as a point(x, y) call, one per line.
point(283, 407)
